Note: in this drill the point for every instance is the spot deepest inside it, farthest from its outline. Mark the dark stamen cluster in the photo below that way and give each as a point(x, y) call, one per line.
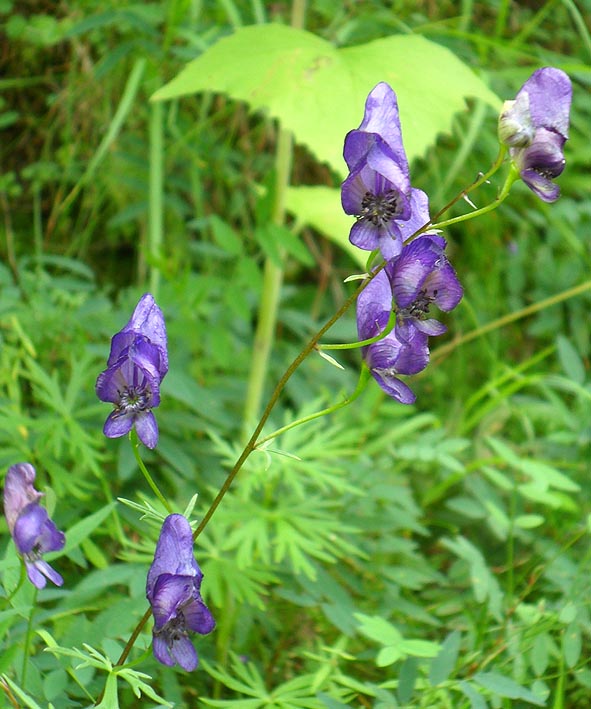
point(379, 209)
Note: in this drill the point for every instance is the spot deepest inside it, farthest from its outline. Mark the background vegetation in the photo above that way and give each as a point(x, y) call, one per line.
point(427, 556)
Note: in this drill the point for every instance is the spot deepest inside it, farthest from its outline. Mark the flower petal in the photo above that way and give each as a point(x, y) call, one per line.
point(170, 593)
point(395, 388)
point(184, 653)
point(19, 491)
point(198, 617)
point(550, 94)
point(147, 429)
point(174, 552)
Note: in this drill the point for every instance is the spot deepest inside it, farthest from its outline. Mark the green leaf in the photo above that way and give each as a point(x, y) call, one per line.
point(388, 655)
point(225, 236)
point(443, 665)
point(420, 648)
point(320, 208)
point(318, 91)
point(570, 360)
point(476, 700)
point(572, 644)
point(83, 529)
point(506, 687)
point(378, 629)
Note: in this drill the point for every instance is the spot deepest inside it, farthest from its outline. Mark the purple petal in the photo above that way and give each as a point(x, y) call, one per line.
point(410, 270)
point(419, 214)
point(169, 595)
point(147, 429)
point(365, 235)
point(430, 327)
point(541, 186)
point(198, 617)
point(147, 319)
point(39, 569)
point(19, 491)
point(550, 93)
point(161, 652)
point(374, 305)
point(394, 387)
point(389, 240)
point(443, 286)
point(34, 530)
point(118, 424)
point(127, 374)
point(174, 552)
point(358, 143)
point(184, 653)
point(382, 117)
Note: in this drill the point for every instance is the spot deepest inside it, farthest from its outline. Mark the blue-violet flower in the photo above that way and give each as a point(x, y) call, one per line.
point(389, 357)
point(173, 590)
point(137, 363)
point(377, 190)
point(535, 127)
point(33, 531)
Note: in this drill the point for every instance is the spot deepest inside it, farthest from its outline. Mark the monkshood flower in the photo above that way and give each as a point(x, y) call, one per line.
point(389, 357)
point(173, 590)
point(535, 127)
point(377, 190)
point(29, 524)
point(137, 363)
point(419, 277)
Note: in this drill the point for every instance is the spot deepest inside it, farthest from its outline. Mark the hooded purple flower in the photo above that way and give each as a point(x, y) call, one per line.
point(172, 588)
point(137, 363)
point(29, 524)
point(535, 127)
point(419, 277)
point(377, 190)
point(389, 357)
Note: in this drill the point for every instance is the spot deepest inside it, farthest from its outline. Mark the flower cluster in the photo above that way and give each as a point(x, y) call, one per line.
point(29, 524)
point(535, 128)
point(415, 276)
point(173, 590)
point(137, 363)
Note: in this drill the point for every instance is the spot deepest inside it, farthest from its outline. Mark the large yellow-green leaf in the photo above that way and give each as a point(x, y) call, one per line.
point(318, 91)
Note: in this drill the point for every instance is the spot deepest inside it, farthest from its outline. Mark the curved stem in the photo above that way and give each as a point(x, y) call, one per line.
point(480, 180)
point(512, 177)
point(361, 384)
point(363, 343)
point(253, 440)
point(135, 444)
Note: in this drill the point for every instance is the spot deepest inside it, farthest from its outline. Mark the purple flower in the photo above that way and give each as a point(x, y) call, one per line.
point(419, 277)
point(535, 127)
point(389, 357)
point(29, 524)
point(377, 190)
point(137, 363)
point(172, 588)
